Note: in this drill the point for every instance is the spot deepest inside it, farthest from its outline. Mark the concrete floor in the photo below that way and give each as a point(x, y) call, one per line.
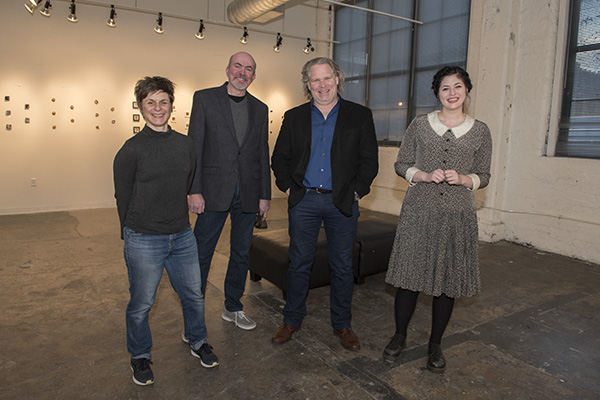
point(532, 333)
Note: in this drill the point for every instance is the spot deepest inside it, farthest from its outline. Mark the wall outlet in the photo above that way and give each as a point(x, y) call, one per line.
point(33, 182)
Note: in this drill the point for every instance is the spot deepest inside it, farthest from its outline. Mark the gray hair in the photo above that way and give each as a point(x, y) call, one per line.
point(337, 72)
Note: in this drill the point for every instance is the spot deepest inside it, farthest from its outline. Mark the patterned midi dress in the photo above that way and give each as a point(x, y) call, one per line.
point(436, 245)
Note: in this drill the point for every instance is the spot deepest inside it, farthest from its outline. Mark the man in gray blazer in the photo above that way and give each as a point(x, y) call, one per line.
point(229, 128)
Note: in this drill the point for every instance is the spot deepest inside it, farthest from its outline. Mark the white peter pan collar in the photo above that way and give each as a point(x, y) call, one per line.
point(440, 128)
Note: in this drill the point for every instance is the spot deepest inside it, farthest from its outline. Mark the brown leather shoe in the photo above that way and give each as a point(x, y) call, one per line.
point(283, 333)
point(348, 338)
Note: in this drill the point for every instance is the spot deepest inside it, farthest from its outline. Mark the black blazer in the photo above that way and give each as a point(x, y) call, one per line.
point(221, 159)
point(354, 159)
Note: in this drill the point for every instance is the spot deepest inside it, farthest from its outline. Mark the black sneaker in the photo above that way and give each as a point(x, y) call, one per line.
point(207, 358)
point(142, 373)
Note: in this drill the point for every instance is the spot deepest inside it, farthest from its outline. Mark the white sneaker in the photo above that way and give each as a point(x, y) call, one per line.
point(239, 318)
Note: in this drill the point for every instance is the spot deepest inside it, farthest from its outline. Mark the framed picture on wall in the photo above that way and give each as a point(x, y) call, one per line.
point(136, 117)
point(136, 129)
point(134, 105)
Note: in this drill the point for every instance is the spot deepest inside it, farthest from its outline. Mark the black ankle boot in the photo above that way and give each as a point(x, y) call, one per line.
point(435, 358)
point(395, 346)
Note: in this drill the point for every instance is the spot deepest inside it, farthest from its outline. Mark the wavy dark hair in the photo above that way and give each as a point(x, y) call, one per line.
point(447, 71)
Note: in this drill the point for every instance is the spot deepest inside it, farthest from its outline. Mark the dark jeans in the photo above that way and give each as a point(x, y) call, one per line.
point(208, 228)
point(305, 220)
point(146, 257)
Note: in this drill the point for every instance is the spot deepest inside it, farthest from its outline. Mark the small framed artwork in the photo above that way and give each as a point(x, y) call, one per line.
point(27, 120)
point(187, 114)
point(9, 127)
point(96, 101)
point(6, 98)
point(173, 119)
point(7, 113)
point(136, 129)
point(136, 117)
point(134, 105)
point(27, 106)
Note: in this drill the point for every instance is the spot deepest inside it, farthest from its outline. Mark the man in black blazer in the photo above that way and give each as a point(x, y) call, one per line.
point(325, 159)
point(229, 128)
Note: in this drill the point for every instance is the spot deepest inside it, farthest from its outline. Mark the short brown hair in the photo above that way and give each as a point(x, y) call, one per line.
point(337, 72)
point(148, 85)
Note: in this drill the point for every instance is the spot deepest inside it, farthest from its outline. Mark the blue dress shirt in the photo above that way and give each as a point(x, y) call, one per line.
point(318, 172)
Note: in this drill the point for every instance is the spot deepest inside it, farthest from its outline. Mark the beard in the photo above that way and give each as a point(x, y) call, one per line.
point(242, 86)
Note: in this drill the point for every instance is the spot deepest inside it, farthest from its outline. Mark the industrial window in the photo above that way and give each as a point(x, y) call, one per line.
point(389, 63)
point(579, 129)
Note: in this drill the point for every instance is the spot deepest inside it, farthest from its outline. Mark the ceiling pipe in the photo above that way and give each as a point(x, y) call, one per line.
point(243, 11)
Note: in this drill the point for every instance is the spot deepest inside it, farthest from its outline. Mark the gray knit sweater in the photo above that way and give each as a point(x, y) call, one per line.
point(153, 172)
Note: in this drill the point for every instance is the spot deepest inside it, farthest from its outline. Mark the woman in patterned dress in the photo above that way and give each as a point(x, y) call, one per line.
point(445, 156)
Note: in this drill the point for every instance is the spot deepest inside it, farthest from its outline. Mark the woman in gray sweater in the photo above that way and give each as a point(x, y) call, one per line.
point(153, 172)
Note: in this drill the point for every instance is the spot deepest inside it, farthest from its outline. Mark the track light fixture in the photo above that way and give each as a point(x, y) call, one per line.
point(309, 47)
point(244, 38)
point(72, 15)
point(32, 5)
point(278, 41)
point(159, 28)
point(111, 19)
point(46, 10)
point(200, 33)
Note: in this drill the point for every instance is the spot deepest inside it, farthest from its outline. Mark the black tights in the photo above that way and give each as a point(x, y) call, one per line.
point(441, 310)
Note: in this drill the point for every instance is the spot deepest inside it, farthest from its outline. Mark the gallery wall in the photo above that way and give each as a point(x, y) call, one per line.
point(77, 79)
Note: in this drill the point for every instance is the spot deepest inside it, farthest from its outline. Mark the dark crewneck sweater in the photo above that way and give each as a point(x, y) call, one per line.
point(153, 173)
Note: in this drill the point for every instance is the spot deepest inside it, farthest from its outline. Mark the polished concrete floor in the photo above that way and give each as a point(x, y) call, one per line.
point(532, 333)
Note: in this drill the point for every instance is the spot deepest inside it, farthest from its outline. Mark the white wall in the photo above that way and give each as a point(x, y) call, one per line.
point(515, 60)
point(78, 63)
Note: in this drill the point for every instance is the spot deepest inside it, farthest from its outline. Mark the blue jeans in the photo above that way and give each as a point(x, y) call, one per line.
point(208, 228)
point(305, 220)
point(146, 256)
